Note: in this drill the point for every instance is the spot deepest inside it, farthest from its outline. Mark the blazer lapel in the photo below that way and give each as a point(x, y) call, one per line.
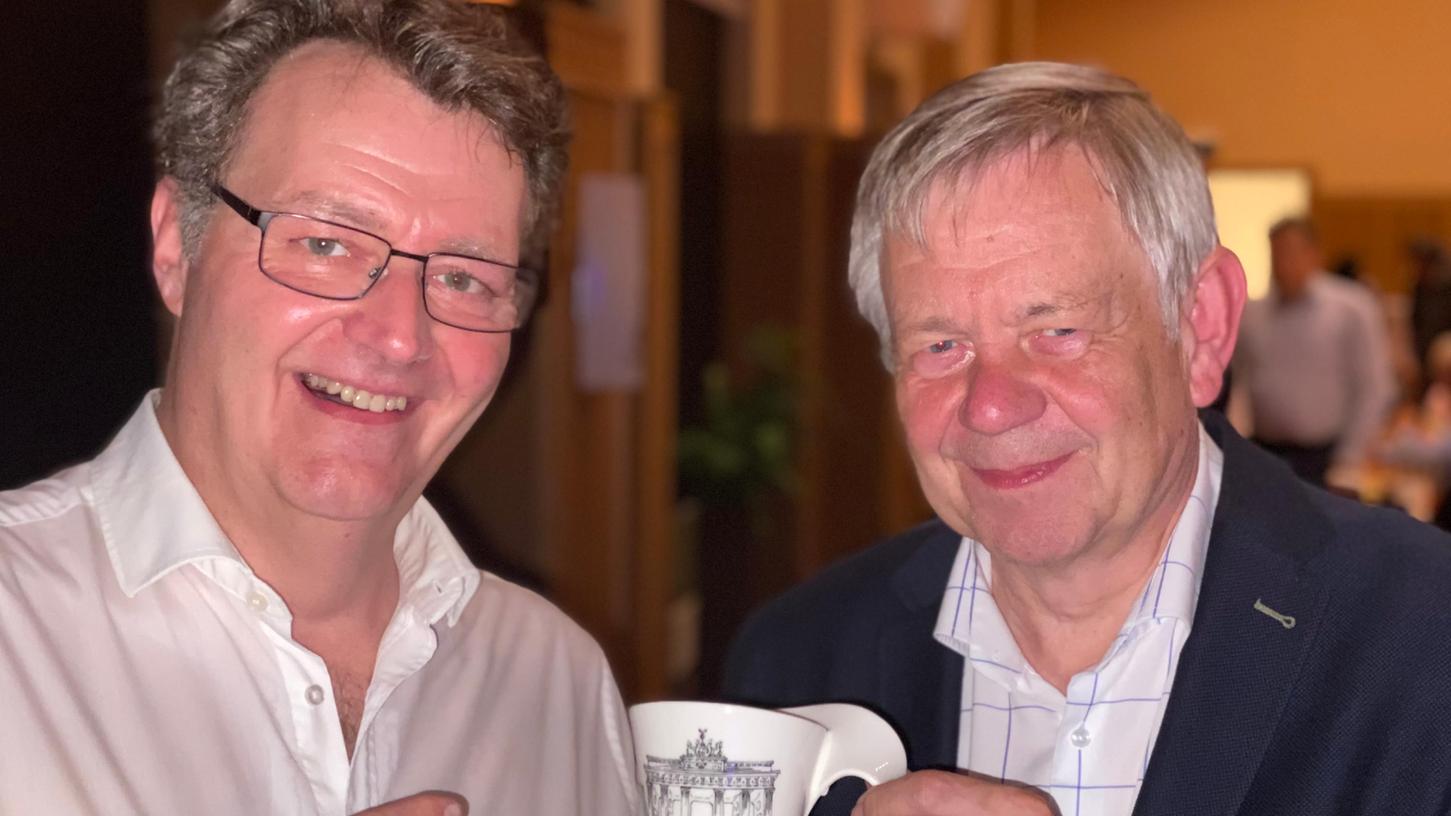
point(920, 678)
point(1259, 606)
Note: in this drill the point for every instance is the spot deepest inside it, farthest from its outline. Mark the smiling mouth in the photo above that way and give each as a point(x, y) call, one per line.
point(352, 396)
point(1020, 477)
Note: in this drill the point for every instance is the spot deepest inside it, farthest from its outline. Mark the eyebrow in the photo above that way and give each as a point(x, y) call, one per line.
point(1052, 308)
point(932, 325)
point(472, 249)
point(332, 208)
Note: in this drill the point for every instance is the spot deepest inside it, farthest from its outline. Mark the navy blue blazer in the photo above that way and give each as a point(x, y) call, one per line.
point(1348, 712)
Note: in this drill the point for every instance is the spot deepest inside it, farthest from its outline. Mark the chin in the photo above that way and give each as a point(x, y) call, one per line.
point(342, 493)
point(1037, 548)
point(1031, 536)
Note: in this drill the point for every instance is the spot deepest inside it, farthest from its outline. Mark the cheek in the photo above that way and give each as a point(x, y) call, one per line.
point(240, 296)
point(927, 409)
point(1124, 408)
point(475, 363)
point(1104, 394)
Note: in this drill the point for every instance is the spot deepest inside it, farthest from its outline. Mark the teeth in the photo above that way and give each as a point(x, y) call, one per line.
point(356, 397)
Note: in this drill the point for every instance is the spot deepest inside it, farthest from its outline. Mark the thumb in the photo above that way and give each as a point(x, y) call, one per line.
point(428, 803)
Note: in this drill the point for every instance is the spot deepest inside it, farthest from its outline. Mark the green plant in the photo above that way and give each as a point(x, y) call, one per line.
point(743, 449)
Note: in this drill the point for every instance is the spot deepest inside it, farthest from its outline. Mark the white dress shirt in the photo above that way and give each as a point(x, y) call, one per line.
point(1317, 370)
point(1090, 748)
point(145, 669)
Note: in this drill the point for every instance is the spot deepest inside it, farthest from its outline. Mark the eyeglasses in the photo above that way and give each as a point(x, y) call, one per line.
point(336, 262)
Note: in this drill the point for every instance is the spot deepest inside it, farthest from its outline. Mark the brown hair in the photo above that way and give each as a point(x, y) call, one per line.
point(464, 57)
point(1296, 223)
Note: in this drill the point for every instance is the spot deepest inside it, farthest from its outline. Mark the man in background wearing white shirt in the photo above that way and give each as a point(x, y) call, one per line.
point(1123, 606)
point(243, 605)
point(1313, 363)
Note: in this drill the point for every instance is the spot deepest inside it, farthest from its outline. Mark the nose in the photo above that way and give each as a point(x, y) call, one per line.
point(390, 319)
point(1000, 397)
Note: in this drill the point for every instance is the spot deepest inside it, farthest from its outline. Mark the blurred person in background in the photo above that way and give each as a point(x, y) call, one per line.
point(242, 605)
point(1421, 438)
point(1430, 293)
point(1314, 362)
point(1395, 309)
point(1123, 606)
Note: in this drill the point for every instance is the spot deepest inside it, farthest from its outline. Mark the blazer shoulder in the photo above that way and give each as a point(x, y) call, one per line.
point(864, 583)
point(806, 633)
point(1386, 559)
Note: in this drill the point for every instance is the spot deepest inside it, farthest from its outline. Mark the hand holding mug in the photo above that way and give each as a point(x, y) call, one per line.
point(940, 793)
point(428, 803)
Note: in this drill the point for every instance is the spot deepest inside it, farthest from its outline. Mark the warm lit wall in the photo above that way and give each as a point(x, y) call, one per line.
point(1358, 91)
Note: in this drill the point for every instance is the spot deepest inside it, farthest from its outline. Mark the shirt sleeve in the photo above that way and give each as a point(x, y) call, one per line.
point(1372, 380)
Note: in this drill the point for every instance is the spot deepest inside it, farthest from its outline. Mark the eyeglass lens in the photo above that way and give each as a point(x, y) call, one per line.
point(333, 261)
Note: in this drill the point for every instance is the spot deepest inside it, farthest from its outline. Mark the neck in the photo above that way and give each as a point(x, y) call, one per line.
point(1065, 616)
point(1293, 294)
point(328, 572)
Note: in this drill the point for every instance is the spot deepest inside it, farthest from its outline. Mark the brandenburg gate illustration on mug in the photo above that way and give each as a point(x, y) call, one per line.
point(702, 782)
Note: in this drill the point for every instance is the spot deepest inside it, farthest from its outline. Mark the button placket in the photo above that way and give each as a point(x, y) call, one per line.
point(1080, 737)
point(1083, 686)
point(318, 745)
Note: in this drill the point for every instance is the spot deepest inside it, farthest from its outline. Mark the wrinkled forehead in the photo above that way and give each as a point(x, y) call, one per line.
point(1058, 193)
point(962, 182)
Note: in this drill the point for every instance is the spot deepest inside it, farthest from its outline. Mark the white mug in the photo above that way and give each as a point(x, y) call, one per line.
point(715, 759)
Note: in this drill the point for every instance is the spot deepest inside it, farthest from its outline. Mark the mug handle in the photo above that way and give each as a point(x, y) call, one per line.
point(858, 743)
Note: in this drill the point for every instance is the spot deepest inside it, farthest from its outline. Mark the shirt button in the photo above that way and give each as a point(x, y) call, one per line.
point(257, 601)
point(1080, 737)
point(314, 694)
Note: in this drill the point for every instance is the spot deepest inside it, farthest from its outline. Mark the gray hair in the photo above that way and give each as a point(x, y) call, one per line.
point(464, 57)
point(1141, 156)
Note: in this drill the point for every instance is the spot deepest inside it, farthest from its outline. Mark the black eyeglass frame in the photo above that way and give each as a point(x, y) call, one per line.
point(525, 276)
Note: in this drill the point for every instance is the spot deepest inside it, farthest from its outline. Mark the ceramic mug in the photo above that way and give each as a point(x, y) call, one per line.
point(715, 759)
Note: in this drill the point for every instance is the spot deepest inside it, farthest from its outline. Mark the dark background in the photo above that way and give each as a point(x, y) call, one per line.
point(78, 334)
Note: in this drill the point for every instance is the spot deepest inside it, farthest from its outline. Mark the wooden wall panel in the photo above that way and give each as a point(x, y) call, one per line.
point(786, 223)
point(654, 557)
point(1376, 229)
point(588, 451)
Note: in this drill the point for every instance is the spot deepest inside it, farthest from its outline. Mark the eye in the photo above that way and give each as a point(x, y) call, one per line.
point(940, 358)
point(461, 282)
point(1060, 342)
point(324, 247)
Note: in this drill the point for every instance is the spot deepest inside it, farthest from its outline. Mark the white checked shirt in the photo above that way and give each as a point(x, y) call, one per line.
point(145, 669)
point(1090, 748)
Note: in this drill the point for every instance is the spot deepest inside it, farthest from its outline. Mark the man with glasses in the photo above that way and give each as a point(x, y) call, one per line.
point(243, 605)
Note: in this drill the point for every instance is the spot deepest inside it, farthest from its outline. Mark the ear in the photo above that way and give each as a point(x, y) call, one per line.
point(168, 261)
point(1211, 327)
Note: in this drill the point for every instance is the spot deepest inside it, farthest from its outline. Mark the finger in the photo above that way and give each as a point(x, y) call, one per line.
point(428, 803)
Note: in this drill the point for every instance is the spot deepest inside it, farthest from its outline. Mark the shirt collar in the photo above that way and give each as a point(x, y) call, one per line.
point(154, 521)
point(970, 623)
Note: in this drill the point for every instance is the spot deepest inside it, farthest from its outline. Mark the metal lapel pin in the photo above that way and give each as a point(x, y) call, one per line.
point(1287, 621)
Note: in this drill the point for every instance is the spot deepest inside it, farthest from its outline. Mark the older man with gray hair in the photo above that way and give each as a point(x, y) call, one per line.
point(1122, 606)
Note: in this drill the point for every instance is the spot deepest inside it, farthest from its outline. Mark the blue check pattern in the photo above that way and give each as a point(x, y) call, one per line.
point(1088, 748)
